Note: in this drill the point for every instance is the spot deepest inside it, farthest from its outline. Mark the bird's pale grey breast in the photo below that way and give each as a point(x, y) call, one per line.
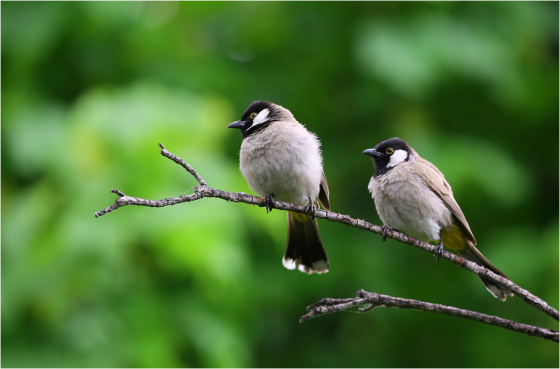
point(404, 202)
point(283, 160)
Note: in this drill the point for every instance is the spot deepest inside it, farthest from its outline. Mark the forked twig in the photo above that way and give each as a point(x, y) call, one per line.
point(371, 300)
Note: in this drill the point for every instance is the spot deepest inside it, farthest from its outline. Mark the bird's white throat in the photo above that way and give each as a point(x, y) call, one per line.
point(398, 157)
point(261, 117)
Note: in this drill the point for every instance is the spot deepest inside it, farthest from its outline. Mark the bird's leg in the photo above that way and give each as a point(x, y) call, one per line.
point(385, 229)
point(439, 250)
point(311, 209)
point(268, 203)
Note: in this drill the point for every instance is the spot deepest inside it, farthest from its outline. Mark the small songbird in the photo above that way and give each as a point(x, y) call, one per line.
point(281, 160)
point(412, 196)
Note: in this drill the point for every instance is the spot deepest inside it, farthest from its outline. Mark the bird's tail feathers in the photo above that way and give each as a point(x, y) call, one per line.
point(471, 253)
point(305, 248)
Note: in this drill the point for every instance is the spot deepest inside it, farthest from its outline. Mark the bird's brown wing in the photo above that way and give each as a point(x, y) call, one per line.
point(324, 192)
point(435, 180)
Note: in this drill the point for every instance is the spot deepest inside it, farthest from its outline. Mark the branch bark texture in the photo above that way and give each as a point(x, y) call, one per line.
point(202, 191)
point(373, 300)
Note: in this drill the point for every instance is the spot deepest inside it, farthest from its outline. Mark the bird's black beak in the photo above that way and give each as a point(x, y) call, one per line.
point(239, 124)
point(372, 152)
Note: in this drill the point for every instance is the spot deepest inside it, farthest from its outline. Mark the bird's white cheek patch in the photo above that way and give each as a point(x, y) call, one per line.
point(261, 117)
point(398, 157)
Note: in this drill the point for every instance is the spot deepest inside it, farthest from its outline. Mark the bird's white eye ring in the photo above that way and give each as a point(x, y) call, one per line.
point(253, 115)
point(389, 150)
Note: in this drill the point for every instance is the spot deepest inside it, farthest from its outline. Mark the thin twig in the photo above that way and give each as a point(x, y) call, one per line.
point(364, 298)
point(203, 190)
point(182, 163)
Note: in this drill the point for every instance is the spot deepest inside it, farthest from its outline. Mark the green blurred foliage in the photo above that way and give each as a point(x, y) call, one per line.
point(90, 88)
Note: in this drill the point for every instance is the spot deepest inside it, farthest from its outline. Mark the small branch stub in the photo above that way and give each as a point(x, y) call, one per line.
point(118, 192)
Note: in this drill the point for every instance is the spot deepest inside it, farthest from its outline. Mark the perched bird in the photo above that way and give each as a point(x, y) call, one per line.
point(281, 160)
point(412, 196)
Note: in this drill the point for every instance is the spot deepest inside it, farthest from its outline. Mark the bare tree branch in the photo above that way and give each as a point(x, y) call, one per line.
point(203, 190)
point(373, 300)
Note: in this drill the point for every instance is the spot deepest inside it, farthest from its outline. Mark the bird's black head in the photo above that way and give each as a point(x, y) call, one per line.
point(388, 154)
point(258, 116)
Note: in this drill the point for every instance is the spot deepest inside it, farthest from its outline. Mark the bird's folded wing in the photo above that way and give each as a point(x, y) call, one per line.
point(435, 180)
point(324, 192)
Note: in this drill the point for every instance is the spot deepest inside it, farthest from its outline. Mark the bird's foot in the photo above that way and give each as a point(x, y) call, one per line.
point(268, 203)
point(385, 229)
point(439, 250)
point(311, 210)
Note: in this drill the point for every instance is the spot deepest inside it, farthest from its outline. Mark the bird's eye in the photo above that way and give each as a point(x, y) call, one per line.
point(389, 150)
point(253, 115)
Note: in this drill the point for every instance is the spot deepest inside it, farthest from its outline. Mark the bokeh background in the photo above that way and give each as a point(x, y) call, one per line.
point(90, 88)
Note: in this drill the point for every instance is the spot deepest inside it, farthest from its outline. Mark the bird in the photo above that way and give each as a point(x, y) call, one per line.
point(281, 160)
point(412, 196)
